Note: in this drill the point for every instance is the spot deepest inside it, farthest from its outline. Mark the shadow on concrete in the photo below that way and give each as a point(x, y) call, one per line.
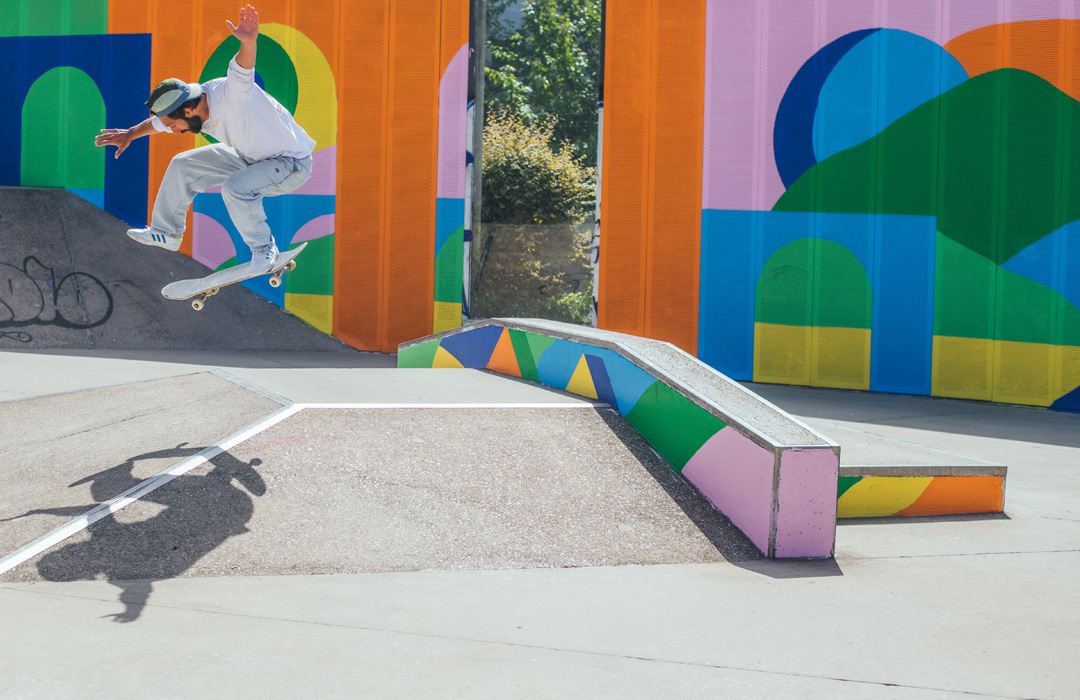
point(792, 568)
point(942, 415)
point(728, 540)
point(201, 511)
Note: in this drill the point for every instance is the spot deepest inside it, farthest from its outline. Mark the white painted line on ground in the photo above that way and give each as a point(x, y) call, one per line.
point(575, 404)
point(133, 494)
point(125, 499)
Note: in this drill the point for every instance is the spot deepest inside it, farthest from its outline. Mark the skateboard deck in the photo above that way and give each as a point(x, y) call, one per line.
point(205, 287)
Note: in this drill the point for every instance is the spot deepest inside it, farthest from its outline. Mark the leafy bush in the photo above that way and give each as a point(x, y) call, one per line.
point(526, 180)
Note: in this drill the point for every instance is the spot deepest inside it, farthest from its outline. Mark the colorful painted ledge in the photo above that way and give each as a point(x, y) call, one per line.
point(772, 475)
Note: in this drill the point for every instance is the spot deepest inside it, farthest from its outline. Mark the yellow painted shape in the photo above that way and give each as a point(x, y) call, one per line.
point(879, 496)
point(963, 368)
point(1070, 370)
point(1026, 373)
point(316, 106)
point(782, 353)
point(447, 316)
point(316, 309)
point(841, 358)
point(444, 360)
point(582, 382)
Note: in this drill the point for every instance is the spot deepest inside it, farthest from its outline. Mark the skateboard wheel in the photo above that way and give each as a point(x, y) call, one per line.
point(275, 281)
point(197, 304)
point(291, 266)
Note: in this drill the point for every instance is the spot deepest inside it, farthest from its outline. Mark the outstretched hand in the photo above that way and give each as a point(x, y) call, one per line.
point(114, 137)
point(247, 27)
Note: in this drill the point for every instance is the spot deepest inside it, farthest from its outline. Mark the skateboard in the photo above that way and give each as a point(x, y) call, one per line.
point(205, 287)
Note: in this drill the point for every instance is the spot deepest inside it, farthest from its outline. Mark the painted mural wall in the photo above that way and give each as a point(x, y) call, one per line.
point(379, 84)
point(888, 194)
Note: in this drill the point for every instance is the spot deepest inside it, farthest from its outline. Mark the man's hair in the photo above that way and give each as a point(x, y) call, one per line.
point(178, 113)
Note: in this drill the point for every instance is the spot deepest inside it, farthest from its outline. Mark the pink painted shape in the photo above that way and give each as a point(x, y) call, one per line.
point(211, 245)
point(316, 228)
point(736, 475)
point(754, 49)
point(806, 503)
point(453, 98)
point(323, 178)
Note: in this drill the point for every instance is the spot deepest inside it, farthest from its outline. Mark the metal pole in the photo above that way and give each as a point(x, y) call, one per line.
point(477, 59)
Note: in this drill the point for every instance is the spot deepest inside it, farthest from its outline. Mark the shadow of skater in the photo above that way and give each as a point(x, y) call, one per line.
point(201, 512)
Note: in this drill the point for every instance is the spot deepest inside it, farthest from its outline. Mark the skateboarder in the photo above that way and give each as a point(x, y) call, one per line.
point(262, 152)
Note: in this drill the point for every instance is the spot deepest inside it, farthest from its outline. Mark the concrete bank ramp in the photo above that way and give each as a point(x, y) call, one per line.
point(70, 278)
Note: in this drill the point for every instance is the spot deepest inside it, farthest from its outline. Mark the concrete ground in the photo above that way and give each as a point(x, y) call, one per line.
point(453, 533)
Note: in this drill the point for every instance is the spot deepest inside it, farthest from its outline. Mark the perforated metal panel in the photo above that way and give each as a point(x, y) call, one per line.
point(411, 169)
point(362, 71)
point(675, 199)
point(623, 221)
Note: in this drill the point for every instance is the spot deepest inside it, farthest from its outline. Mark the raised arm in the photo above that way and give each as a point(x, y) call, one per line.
point(122, 138)
point(247, 31)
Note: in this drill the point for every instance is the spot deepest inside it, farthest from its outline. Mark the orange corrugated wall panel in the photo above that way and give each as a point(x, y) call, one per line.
point(413, 98)
point(677, 132)
point(623, 221)
point(361, 190)
point(388, 103)
point(653, 133)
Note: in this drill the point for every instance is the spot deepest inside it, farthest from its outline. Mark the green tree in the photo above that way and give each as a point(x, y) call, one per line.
point(548, 68)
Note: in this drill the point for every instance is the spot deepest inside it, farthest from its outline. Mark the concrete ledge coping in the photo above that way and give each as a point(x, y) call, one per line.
point(762, 421)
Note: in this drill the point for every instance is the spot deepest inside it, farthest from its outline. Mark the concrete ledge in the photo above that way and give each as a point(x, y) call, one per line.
point(875, 491)
point(773, 476)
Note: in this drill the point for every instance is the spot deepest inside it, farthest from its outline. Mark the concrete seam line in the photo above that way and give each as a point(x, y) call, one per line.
point(582, 404)
point(136, 492)
point(265, 393)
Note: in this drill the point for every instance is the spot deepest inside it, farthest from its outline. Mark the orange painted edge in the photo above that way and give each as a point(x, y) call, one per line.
point(956, 495)
point(503, 358)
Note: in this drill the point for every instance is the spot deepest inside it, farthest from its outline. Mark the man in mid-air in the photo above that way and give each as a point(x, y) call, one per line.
point(262, 151)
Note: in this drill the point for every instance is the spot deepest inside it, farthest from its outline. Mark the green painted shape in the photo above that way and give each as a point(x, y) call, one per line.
point(61, 116)
point(991, 159)
point(974, 298)
point(448, 268)
point(273, 64)
point(844, 483)
point(53, 17)
point(538, 344)
point(314, 273)
point(418, 356)
point(523, 351)
point(675, 426)
point(964, 291)
point(814, 282)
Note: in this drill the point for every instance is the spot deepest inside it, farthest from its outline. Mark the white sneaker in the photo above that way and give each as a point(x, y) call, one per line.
point(156, 237)
point(263, 261)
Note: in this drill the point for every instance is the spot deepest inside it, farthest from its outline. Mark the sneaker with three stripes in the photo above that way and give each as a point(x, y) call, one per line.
point(156, 237)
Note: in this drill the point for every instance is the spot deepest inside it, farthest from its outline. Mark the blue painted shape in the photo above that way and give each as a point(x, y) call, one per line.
point(729, 244)
point(793, 130)
point(902, 336)
point(628, 381)
point(119, 64)
point(897, 252)
point(473, 348)
point(449, 217)
point(95, 197)
point(1068, 402)
point(880, 79)
point(285, 214)
point(601, 381)
point(1053, 261)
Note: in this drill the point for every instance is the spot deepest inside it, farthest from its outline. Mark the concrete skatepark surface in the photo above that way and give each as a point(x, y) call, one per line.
point(454, 533)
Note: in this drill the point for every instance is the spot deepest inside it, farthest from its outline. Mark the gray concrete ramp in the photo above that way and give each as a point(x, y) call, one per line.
point(71, 278)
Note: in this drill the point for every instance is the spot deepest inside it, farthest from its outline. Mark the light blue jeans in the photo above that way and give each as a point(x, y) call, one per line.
point(243, 182)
